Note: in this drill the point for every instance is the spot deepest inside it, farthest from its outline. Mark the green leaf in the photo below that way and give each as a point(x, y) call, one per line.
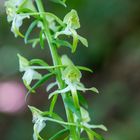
point(83, 101)
point(38, 62)
point(42, 39)
point(99, 137)
point(62, 43)
point(59, 134)
point(52, 115)
point(34, 42)
point(28, 4)
point(70, 104)
point(24, 10)
point(75, 40)
point(67, 137)
point(90, 136)
point(52, 105)
point(84, 68)
point(62, 2)
point(31, 27)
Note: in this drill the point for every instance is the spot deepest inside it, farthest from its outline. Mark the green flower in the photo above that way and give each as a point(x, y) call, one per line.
point(71, 75)
point(29, 72)
point(12, 8)
point(72, 24)
point(86, 119)
point(17, 23)
point(39, 122)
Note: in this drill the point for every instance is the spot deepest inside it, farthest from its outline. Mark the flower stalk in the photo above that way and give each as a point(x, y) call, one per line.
point(67, 74)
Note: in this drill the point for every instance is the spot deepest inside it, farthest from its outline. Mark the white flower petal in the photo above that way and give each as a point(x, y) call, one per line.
point(59, 91)
point(30, 75)
point(17, 23)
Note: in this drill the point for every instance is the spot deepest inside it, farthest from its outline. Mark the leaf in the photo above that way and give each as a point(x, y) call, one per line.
point(52, 115)
point(83, 40)
point(60, 43)
point(70, 104)
point(24, 10)
point(59, 134)
point(28, 4)
point(52, 105)
point(62, 2)
point(42, 39)
point(84, 68)
point(83, 101)
point(67, 137)
point(38, 61)
point(75, 40)
point(32, 25)
point(34, 42)
point(99, 137)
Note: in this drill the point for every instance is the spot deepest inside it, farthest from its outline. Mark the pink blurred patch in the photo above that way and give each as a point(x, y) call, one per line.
point(12, 96)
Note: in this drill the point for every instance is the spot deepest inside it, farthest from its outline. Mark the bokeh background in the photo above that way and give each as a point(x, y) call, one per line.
point(112, 28)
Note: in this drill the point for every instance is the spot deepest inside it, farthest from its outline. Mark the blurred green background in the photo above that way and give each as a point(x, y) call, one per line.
point(113, 30)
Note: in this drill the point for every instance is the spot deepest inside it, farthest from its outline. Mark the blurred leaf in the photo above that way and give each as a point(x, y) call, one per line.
point(84, 68)
point(70, 104)
point(29, 30)
point(59, 134)
point(62, 2)
point(42, 39)
point(83, 101)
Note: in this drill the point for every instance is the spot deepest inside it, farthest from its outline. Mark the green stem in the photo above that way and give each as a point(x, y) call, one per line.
point(56, 61)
